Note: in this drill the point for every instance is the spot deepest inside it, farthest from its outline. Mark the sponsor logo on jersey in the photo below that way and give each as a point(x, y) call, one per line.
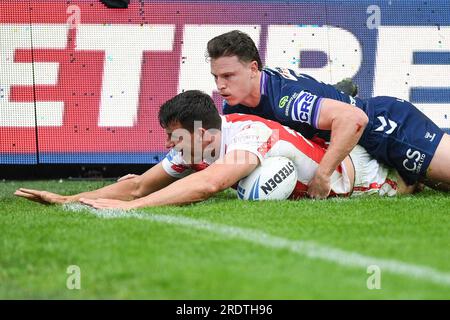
point(288, 105)
point(283, 101)
point(281, 175)
point(414, 160)
point(302, 108)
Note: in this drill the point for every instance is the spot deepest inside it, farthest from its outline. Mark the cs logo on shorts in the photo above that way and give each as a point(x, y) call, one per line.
point(413, 161)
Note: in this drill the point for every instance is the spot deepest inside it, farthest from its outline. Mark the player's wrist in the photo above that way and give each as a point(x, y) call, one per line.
point(323, 174)
point(68, 199)
point(139, 203)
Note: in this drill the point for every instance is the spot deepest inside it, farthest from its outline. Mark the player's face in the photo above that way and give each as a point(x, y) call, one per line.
point(177, 137)
point(191, 144)
point(233, 78)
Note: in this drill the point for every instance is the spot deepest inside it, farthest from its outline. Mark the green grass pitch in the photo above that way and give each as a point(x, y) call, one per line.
point(205, 252)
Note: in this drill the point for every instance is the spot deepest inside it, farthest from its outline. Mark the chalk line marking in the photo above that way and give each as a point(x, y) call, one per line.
point(309, 249)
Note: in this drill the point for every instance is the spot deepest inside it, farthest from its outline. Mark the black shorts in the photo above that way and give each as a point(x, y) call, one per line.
point(401, 136)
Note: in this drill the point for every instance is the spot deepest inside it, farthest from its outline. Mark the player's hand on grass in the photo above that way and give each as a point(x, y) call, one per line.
point(319, 187)
point(44, 197)
point(108, 204)
point(128, 176)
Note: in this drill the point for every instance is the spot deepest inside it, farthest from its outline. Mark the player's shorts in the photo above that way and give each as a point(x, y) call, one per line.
point(371, 176)
point(400, 136)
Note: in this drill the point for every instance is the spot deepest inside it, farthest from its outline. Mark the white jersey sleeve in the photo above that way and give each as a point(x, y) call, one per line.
point(175, 165)
point(253, 138)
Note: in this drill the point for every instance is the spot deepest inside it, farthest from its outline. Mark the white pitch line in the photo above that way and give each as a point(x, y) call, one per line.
point(309, 249)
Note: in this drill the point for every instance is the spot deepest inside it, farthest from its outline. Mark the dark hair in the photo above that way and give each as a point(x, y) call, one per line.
point(190, 106)
point(234, 43)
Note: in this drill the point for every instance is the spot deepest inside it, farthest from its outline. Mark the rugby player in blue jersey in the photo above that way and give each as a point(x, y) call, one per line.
point(392, 130)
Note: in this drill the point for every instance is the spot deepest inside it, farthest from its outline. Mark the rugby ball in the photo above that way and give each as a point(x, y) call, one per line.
point(274, 179)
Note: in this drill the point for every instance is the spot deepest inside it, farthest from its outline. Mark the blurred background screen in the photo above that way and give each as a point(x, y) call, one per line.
point(81, 83)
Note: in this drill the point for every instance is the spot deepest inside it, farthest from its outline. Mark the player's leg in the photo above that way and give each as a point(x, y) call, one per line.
point(404, 138)
point(436, 185)
point(438, 173)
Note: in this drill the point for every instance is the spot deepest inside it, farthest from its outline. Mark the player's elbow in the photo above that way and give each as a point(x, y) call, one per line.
point(206, 190)
point(360, 119)
point(212, 187)
point(136, 187)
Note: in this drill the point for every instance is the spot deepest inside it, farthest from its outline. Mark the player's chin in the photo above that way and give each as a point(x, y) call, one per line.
point(231, 101)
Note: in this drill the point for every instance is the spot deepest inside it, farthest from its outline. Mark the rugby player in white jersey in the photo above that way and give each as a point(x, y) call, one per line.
point(210, 153)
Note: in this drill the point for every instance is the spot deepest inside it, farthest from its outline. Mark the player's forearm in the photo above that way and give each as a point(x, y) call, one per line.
point(184, 191)
point(123, 190)
point(345, 134)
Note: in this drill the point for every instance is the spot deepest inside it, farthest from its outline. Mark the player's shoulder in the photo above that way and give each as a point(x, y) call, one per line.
point(248, 131)
point(284, 73)
point(242, 121)
point(175, 157)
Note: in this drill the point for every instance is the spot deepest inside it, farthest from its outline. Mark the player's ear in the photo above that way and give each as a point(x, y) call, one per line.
point(254, 68)
point(208, 135)
point(201, 134)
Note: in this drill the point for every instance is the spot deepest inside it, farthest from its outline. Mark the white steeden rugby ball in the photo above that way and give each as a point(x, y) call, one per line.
point(275, 179)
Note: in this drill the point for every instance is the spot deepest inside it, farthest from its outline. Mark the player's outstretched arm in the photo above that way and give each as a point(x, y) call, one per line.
point(127, 176)
point(196, 187)
point(42, 196)
point(347, 124)
point(129, 189)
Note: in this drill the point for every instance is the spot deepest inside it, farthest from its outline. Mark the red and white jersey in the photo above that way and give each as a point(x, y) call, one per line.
point(266, 138)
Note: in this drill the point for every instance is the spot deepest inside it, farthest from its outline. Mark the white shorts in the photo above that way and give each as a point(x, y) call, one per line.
point(371, 176)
